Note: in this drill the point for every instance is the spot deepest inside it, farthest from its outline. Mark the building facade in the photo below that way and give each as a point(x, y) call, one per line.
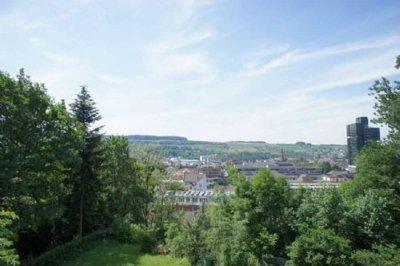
point(358, 134)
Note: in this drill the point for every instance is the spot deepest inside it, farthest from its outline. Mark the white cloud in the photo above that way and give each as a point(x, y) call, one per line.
point(180, 53)
point(178, 41)
point(369, 67)
point(298, 55)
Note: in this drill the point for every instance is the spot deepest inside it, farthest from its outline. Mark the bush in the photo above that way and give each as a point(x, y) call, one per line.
point(319, 247)
point(69, 249)
point(380, 255)
point(136, 234)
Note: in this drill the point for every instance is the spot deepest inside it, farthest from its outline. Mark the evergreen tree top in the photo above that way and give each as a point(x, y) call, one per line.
point(84, 108)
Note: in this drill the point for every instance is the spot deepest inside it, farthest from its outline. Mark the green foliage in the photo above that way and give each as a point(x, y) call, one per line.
point(380, 255)
point(369, 221)
point(8, 255)
point(58, 176)
point(320, 247)
point(258, 212)
point(270, 196)
point(86, 185)
point(387, 106)
point(136, 234)
point(121, 192)
point(175, 186)
point(322, 208)
point(39, 142)
point(325, 166)
point(226, 239)
point(189, 239)
point(378, 167)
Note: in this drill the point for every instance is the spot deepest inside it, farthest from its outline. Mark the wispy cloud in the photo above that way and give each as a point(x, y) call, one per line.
point(299, 55)
point(367, 68)
point(177, 41)
point(181, 53)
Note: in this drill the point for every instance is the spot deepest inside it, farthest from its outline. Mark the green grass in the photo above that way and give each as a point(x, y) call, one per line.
point(114, 253)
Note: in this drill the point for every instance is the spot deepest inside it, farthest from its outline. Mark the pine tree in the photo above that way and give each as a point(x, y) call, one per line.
point(87, 184)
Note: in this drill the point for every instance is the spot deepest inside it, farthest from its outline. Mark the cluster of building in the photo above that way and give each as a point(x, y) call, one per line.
point(201, 176)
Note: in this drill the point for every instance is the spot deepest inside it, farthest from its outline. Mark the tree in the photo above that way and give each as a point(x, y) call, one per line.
point(387, 106)
point(189, 239)
point(268, 215)
point(320, 247)
point(321, 208)
point(39, 143)
point(38, 150)
point(325, 166)
point(264, 203)
point(228, 234)
point(378, 167)
point(369, 221)
point(86, 186)
point(152, 172)
point(121, 188)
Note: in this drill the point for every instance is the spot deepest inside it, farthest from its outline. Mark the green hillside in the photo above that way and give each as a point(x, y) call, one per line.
point(234, 150)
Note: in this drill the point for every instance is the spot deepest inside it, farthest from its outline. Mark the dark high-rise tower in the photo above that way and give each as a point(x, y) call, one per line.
point(358, 134)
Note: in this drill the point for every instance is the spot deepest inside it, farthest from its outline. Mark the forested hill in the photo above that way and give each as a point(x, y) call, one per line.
point(145, 138)
point(176, 146)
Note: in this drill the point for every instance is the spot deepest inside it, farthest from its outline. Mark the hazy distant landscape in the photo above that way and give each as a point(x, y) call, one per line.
point(234, 150)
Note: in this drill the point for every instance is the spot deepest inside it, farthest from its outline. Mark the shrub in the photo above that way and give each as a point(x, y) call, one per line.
point(136, 234)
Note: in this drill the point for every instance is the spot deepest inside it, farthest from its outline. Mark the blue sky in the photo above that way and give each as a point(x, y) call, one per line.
point(278, 71)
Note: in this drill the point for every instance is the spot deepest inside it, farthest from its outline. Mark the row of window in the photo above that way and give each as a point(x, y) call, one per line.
point(193, 200)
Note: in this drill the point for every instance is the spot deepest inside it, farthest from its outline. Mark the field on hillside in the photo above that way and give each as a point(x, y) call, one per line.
point(114, 253)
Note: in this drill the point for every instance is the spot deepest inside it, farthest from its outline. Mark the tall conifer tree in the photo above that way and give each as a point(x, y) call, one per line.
point(87, 184)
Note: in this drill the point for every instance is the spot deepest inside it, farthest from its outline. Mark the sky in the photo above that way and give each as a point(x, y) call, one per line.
point(274, 71)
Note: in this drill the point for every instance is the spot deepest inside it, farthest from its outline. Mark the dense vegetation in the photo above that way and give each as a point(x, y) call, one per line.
point(60, 179)
point(64, 187)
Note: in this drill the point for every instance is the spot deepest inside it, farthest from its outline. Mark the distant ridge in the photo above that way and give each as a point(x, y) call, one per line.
point(134, 138)
point(152, 137)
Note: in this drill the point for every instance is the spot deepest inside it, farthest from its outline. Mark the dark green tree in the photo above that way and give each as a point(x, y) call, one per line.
point(320, 247)
point(268, 213)
point(87, 185)
point(321, 208)
point(325, 166)
point(39, 144)
point(369, 220)
point(122, 192)
point(263, 203)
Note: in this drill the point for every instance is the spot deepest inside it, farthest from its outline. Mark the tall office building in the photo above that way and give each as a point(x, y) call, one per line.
point(358, 134)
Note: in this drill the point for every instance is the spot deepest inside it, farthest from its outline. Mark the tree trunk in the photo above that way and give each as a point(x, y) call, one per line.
point(81, 213)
